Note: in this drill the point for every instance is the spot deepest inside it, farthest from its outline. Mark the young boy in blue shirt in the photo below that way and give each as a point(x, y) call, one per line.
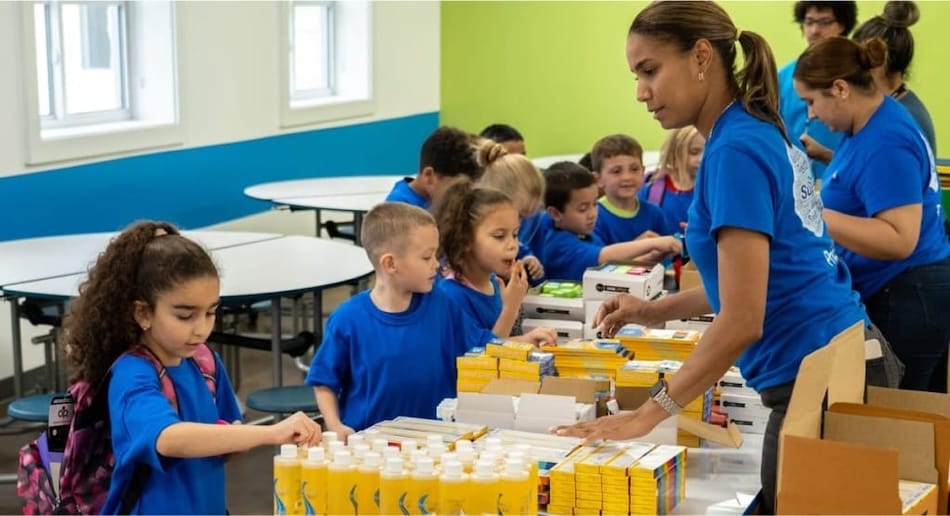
point(621, 217)
point(572, 246)
point(446, 154)
point(362, 374)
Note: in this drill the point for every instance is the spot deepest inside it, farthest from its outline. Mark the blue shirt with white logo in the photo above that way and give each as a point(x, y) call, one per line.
point(868, 176)
point(749, 178)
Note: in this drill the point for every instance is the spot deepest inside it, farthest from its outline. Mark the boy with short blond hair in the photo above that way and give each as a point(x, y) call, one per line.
point(390, 351)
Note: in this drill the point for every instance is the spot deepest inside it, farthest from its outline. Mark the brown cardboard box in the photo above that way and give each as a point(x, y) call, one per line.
point(850, 459)
point(689, 277)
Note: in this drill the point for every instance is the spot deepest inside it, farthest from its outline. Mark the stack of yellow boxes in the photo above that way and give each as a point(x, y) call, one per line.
point(653, 344)
point(645, 373)
point(658, 481)
point(615, 477)
point(588, 358)
point(475, 370)
point(561, 479)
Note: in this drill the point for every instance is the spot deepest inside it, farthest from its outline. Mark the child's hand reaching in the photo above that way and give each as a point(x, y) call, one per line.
point(647, 234)
point(533, 266)
point(662, 247)
point(539, 336)
point(343, 432)
point(297, 429)
point(513, 292)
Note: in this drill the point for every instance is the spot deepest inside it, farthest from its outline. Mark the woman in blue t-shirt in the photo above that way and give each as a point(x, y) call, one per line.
point(755, 228)
point(882, 204)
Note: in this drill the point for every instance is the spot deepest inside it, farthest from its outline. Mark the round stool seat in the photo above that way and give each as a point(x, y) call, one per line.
point(283, 400)
point(31, 408)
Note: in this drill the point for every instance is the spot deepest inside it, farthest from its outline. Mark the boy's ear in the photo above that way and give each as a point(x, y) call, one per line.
point(387, 263)
point(142, 314)
point(428, 174)
point(554, 214)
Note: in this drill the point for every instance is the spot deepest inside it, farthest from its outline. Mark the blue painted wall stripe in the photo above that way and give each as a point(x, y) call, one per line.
point(203, 185)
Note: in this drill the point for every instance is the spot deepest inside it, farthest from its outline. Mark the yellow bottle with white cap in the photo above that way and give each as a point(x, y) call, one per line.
point(313, 482)
point(453, 487)
point(393, 487)
point(483, 497)
point(341, 484)
point(287, 498)
point(513, 488)
point(423, 488)
point(367, 484)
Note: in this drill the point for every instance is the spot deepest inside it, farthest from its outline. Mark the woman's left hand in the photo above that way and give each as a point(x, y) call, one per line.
point(617, 427)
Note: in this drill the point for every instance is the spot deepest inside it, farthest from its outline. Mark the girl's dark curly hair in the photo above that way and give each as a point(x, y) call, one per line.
point(458, 211)
point(139, 264)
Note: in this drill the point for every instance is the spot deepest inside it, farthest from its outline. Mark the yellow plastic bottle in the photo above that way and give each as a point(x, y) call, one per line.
point(423, 488)
point(453, 487)
point(483, 497)
point(393, 481)
point(341, 484)
point(367, 484)
point(287, 498)
point(313, 482)
point(513, 489)
point(467, 457)
point(532, 462)
point(327, 438)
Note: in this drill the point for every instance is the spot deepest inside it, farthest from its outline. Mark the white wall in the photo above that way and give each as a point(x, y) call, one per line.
point(228, 77)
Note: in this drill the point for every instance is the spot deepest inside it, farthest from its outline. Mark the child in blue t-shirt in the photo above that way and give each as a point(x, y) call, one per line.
point(571, 246)
point(153, 292)
point(390, 351)
point(883, 205)
point(671, 186)
point(446, 154)
point(478, 239)
point(621, 217)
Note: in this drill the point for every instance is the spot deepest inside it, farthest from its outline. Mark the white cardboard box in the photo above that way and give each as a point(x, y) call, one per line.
point(698, 323)
point(535, 412)
point(607, 280)
point(566, 330)
point(546, 307)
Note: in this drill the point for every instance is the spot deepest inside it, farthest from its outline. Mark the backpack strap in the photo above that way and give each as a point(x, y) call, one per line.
point(203, 359)
point(657, 187)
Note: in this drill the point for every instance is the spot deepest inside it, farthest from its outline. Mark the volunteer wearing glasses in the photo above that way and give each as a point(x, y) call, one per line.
point(817, 20)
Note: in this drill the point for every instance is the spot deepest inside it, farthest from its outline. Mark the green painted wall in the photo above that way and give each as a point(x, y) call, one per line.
point(557, 70)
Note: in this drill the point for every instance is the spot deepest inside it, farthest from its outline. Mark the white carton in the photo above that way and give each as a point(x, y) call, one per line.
point(699, 323)
point(566, 330)
point(607, 280)
point(546, 307)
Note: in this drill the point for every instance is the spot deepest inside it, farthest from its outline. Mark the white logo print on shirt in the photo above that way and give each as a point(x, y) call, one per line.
point(807, 201)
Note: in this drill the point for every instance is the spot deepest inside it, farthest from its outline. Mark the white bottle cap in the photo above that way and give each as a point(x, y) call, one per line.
point(329, 436)
point(425, 466)
point(436, 451)
point(333, 447)
point(448, 457)
point(316, 453)
point(466, 455)
point(514, 467)
point(355, 439)
point(359, 450)
point(372, 459)
point(288, 451)
point(464, 444)
point(408, 445)
point(488, 456)
point(393, 465)
point(484, 469)
point(416, 455)
point(391, 451)
point(452, 468)
point(379, 445)
point(342, 458)
point(433, 439)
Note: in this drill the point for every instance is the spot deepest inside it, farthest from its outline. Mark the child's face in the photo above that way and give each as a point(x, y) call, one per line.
point(621, 177)
point(416, 266)
point(495, 246)
point(181, 319)
point(694, 153)
point(580, 213)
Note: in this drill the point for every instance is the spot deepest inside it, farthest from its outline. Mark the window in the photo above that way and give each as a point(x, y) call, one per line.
point(99, 77)
point(325, 61)
point(81, 63)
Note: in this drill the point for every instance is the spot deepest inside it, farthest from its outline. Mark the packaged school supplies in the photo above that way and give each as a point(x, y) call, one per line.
point(475, 370)
point(558, 300)
point(653, 344)
point(589, 358)
point(605, 281)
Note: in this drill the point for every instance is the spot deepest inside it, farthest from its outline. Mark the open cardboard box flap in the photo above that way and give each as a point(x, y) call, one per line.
point(582, 389)
point(855, 464)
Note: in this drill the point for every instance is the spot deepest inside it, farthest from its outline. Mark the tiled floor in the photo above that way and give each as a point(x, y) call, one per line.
point(249, 474)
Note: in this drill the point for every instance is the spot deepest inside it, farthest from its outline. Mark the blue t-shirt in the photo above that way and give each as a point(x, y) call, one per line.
point(795, 114)
point(887, 164)
point(484, 309)
point(139, 411)
point(674, 203)
point(384, 365)
point(567, 255)
point(533, 231)
point(920, 114)
point(615, 225)
point(402, 192)
point(750, 179)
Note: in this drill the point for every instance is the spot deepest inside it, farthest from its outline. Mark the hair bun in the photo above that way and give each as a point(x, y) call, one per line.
point(490, 151)
point(900, 14)
point(872, 53)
